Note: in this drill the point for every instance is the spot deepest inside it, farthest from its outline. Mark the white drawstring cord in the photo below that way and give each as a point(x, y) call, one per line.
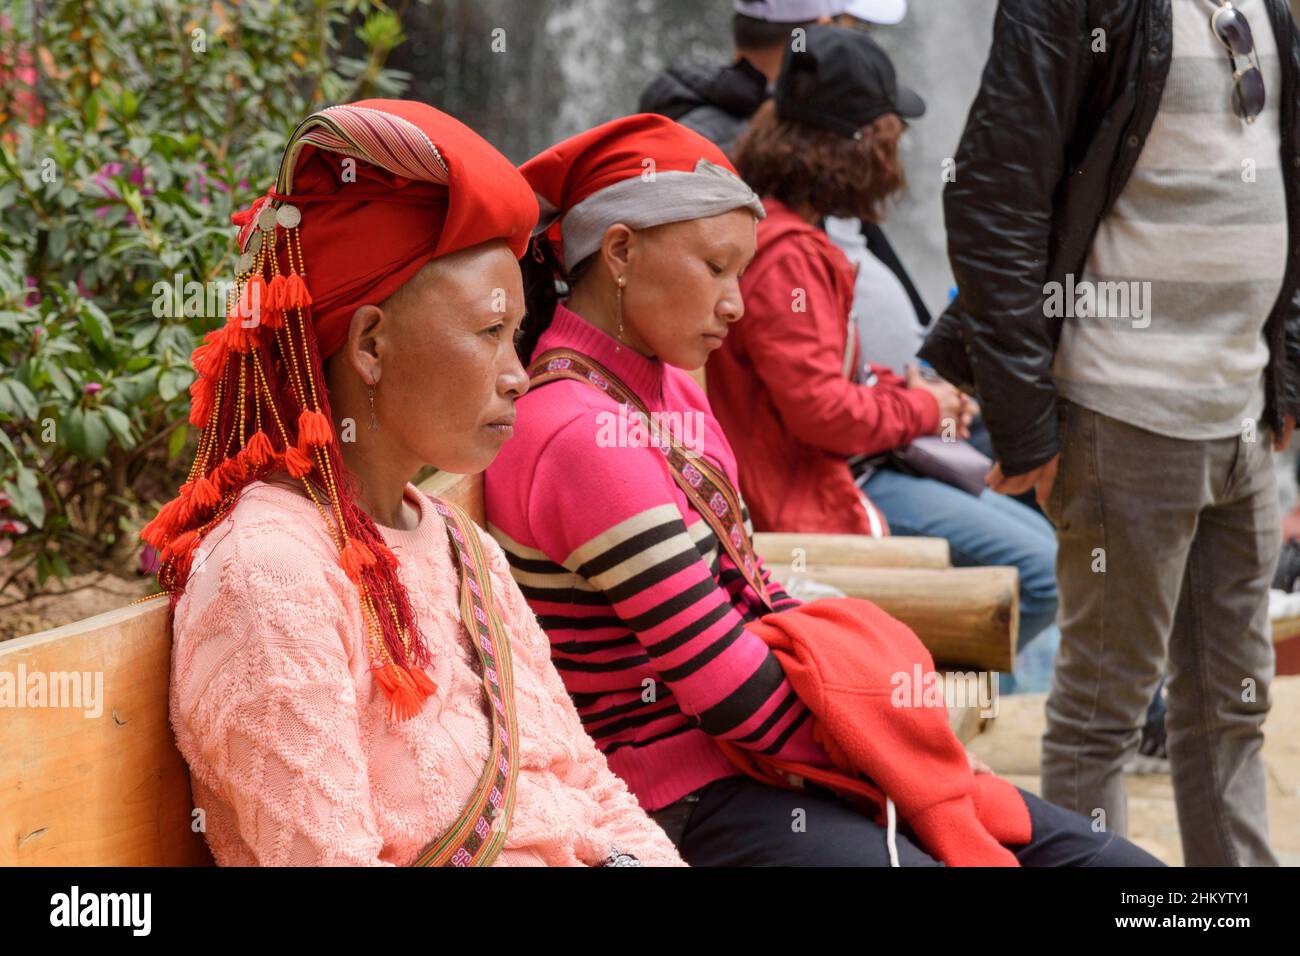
point(891, 831)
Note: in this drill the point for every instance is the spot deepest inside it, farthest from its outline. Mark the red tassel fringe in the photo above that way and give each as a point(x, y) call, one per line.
point(178, 527)
point(405, 688)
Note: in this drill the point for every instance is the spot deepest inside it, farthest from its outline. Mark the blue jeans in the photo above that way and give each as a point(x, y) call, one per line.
point(989, 530)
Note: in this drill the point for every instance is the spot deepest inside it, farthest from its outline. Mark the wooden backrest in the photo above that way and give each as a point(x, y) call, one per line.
point(86, 788)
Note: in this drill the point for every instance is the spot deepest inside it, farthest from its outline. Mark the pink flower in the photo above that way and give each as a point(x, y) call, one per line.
point(93, 388)
point(104, 181)
point(242, 187)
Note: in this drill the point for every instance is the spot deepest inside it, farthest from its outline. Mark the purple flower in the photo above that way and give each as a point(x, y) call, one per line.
point(104, 180)
point(202, 185)
point(93, 388)
point(242, 186)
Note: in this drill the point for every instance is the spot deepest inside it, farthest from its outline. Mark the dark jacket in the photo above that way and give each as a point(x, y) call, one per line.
point(1050, 142)
point(717, 103)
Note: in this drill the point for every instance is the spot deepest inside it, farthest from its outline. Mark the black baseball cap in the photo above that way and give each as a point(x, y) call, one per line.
point(840, 79)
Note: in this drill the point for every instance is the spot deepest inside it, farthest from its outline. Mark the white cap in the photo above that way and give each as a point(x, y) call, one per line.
point(886, 12)
point(788, 11)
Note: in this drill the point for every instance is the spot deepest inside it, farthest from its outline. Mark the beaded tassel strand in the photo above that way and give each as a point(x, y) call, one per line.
point(237, 358)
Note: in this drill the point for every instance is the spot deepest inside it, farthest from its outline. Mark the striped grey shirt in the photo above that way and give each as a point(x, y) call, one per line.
point(1187, 266)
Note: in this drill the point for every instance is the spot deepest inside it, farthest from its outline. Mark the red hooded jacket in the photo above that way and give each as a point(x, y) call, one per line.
point(849, 663)
point(781, 386)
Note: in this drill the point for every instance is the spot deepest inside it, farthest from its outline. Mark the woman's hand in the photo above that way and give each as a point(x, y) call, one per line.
point(969, 410)
point(952, 403)
point(977, 765)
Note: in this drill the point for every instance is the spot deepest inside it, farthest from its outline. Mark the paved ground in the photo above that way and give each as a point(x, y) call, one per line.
point(1010, 745)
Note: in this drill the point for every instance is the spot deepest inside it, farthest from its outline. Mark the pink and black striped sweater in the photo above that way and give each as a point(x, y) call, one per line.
point(645, 612)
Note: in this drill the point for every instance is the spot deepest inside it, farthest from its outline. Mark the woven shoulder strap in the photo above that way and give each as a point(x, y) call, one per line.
point(708, 488)
point(477, 836)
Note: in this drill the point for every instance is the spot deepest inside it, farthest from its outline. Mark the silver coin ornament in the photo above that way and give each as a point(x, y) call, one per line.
point(266, 219)
point(246, 262)
point(288, 217)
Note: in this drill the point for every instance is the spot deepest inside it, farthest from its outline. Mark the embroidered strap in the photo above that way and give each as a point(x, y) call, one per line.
point(707, 487)
point(478, 834)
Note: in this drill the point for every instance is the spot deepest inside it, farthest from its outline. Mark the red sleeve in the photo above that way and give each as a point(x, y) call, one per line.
point(795, 331)
point(886, 376)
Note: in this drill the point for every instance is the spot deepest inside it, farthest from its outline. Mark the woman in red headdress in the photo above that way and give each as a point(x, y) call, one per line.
point(356, 678)
point(759, 730)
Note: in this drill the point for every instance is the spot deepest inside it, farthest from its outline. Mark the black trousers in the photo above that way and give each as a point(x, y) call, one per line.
point(737, 821)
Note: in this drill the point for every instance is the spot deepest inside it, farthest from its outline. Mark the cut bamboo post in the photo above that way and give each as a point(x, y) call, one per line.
point(967, 617)
point(855, 550)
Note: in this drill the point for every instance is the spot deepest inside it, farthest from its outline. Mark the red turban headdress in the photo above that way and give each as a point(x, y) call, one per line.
point(367, 193)
point(643, 170)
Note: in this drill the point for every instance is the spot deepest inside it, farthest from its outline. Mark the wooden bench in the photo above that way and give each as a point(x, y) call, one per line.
point(106, 790)
point(112, 789)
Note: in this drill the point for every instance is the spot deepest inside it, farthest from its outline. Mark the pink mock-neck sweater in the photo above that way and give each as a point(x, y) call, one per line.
point(291, 755)
point(647, 614)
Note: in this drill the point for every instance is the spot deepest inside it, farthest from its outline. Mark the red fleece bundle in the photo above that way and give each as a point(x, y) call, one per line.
point(841, 656)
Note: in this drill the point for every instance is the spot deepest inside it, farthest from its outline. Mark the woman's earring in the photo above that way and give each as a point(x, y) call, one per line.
point(374, 419)
point(622, 281)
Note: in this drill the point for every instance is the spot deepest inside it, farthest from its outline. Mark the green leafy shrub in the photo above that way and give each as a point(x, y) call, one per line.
point(129, 132)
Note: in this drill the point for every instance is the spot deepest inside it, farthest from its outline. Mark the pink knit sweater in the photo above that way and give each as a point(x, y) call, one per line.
point(291, 757)
point(647, 614)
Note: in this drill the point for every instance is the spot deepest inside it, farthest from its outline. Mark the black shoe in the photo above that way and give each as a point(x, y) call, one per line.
point(1288, 567)
point(1152, 755)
